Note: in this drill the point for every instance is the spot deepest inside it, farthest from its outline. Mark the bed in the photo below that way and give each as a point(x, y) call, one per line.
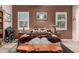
point(39, 42)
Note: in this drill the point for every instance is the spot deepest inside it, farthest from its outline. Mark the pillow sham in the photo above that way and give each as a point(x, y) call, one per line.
point(35, 41)
point(44, 40)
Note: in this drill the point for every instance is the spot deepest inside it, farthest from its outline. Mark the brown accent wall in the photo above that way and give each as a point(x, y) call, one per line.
point(66, 34)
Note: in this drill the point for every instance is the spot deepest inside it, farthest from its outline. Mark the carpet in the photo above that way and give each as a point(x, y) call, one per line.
point(66, 50)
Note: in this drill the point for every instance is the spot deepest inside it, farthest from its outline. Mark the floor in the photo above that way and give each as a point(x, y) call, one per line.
point(8, 47)
point(74, 46)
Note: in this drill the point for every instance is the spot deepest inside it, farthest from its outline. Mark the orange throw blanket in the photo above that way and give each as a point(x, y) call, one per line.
point(30, 47)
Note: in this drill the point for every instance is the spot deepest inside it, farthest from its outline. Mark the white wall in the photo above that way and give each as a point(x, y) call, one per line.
point(7, 9)
point(75, 23)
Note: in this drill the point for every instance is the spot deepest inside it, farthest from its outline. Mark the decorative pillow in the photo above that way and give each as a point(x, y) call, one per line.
point(44, 40)
point(43, 30)
point(35, 30)
point(54, 35)
point(25, 35)
point(28, 31)
point(35, 41)
point(39, 30)
point(52, 30)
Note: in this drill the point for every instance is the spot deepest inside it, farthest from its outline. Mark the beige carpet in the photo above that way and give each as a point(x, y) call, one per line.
point(8, 48)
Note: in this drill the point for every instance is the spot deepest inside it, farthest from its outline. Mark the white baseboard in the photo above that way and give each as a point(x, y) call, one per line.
point(66, 39)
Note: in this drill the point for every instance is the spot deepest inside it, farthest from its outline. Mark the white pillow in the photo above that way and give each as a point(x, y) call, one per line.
point(44, 40)
point(35, 41)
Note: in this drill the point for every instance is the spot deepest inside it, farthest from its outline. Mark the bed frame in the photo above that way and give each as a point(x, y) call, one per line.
point(27, 38)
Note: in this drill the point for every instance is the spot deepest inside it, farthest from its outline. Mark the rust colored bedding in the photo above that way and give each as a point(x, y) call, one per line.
point(30, 47)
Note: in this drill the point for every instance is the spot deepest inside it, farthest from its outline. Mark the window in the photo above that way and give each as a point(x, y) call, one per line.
point(23, 20)
point(61, 20)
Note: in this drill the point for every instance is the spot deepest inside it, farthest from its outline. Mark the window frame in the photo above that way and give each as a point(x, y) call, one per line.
point(27, 20)
point(65, 13)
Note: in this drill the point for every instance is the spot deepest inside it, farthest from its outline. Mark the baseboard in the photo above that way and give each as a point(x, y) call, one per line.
point(66, 39)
